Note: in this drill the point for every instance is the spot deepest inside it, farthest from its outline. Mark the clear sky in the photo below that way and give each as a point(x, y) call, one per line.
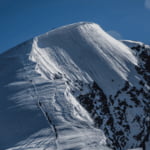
point(21, 20)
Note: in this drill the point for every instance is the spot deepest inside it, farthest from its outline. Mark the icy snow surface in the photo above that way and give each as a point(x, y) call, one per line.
point(37, 107)
point(38, 110)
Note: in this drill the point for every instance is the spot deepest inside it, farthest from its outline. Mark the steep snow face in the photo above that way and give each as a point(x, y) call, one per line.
point(77, 78)
point(94, 51)
point(36, 85)
point(40, 113)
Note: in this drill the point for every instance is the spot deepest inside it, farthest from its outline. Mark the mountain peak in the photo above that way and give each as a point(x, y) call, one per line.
point(84, 41)
point(74, 25)
point(77, 78)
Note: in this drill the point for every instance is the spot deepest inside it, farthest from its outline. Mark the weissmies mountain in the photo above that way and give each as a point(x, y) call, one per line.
point(75, 88)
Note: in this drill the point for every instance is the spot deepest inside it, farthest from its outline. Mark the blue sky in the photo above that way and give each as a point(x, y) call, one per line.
point(21, 20)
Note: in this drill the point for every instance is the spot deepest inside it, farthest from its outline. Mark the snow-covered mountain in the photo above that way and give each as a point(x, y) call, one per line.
point(72, 88)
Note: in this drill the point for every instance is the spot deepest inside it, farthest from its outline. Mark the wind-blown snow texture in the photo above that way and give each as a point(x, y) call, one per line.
point(63, 89)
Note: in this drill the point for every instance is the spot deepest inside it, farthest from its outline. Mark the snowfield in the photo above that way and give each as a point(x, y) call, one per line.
point(44, 84)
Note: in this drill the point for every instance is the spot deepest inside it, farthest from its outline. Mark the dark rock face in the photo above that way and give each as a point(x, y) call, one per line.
point(143, 54)
point(124, 116)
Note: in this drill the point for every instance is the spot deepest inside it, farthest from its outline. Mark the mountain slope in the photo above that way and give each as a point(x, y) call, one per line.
point(78, 78)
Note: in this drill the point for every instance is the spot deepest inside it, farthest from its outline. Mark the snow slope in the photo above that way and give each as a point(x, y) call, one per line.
point(68, 83)
point(37, 106)
point(87, 42)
